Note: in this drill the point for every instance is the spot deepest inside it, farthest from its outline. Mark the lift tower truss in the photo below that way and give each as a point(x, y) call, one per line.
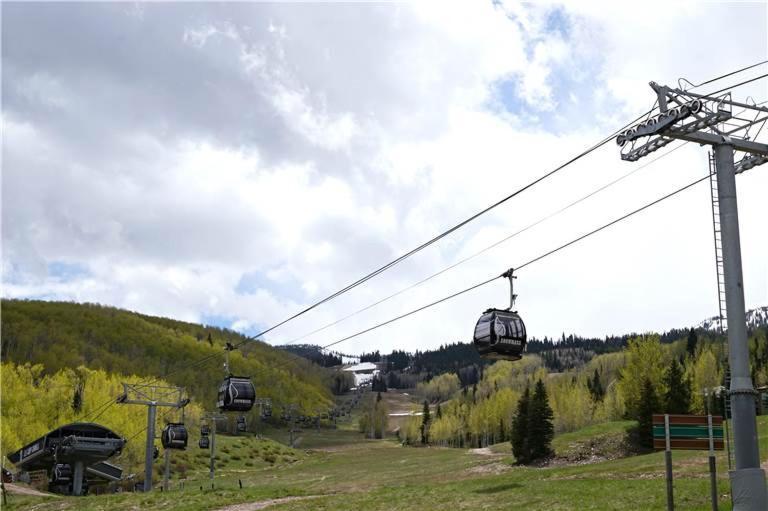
point(151, 396)
point(731, 128)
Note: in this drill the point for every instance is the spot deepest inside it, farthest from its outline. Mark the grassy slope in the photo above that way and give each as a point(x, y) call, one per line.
point(379, 475)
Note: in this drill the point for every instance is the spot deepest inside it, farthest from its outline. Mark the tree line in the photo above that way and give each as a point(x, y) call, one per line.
point(649, 376)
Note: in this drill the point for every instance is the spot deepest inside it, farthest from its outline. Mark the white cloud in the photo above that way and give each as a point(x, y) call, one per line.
point(307, 145)
point(317, 127)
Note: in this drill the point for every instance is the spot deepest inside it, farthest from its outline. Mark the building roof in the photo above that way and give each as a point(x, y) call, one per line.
point(363, 366)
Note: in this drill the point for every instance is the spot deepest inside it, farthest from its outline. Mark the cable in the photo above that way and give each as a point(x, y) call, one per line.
point(535, 259)
point(104, 409)
point(454, 295)
point(163, 416)
point(722, 76)
point(489, 247)
point(475, 286)
point(737, 85)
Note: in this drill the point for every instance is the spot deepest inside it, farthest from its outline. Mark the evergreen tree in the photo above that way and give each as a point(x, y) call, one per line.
point(596, 387)
point(541, 430)
point(693, 340)
point(77, 399)
point(439, 413)
point(425, 420)
point(520, 428)
point(678, 396)
point(648, 405)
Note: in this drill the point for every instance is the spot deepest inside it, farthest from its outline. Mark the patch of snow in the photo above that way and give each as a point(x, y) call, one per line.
point(755, 318)
point(364, 366)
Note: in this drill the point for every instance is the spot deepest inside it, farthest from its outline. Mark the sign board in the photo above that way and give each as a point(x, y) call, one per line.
point(688, 432)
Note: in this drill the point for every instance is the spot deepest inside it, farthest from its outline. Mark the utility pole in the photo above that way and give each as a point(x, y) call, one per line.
point(709, 120)
point(290, 416)
point(262, 402)
point(167, 469)
point(151, 396)
point(212, 418)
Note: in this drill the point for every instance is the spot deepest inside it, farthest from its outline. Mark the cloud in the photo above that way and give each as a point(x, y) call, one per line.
point(236, 162)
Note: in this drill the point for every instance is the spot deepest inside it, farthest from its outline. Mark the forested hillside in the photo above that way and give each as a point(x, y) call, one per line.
point(59, 335)
point(648, 376)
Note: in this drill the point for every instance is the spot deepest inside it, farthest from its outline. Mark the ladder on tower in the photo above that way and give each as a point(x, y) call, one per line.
point(722, 310)
point(721, 318)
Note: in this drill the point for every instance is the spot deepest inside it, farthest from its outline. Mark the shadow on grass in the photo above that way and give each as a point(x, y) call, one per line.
point(498, 488)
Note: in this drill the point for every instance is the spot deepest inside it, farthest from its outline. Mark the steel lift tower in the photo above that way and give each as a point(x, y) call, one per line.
point(151, 396)
point(711, 120)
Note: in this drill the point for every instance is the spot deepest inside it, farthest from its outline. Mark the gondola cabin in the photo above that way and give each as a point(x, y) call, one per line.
point(500, 335)
point(205, 430)
point(241, 424)
point(62, 473)
point(61, 479)
point(236, 394)
point(174, 436)
point(204, 442)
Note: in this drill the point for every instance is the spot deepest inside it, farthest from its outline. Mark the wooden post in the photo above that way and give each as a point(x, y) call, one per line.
point(712, 464)
point(668, 460)
point(212, 467)
point(167, 471)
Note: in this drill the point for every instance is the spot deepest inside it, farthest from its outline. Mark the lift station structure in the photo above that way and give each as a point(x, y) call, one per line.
point(71, 453)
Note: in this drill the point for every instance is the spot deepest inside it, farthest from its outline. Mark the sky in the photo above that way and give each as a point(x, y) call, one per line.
point(233, 163)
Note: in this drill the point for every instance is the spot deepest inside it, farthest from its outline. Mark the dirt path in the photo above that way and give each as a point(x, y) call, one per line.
point(26, 490)
point(254, 506)
point(401, 405)
point(485, 451)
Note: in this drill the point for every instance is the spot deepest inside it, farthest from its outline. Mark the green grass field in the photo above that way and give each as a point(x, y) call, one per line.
point(340, 470)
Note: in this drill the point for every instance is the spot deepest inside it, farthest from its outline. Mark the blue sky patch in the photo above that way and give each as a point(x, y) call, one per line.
point(67, 272)
point(217, 320)
point(557, 22)
point(222, 321)
point(251, 282)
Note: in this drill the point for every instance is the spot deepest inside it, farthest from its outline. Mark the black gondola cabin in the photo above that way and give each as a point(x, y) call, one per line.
point(236, 394)
point(204, 443)
point(500, 335)
point(174, 436)
point(62, 473)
